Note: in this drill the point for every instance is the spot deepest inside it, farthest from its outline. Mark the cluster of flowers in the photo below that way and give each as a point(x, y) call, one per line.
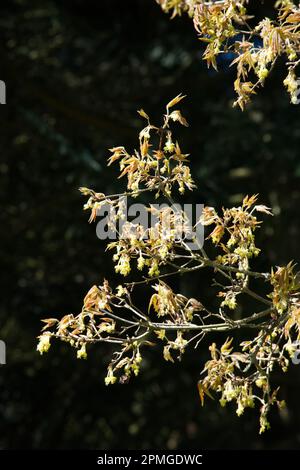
point(234, 234)
point(221, 24)
point(173, 320)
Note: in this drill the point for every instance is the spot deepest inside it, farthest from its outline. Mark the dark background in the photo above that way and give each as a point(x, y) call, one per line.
point(76, 71)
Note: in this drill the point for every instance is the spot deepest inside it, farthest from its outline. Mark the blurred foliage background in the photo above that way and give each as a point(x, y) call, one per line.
point(76, 71)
